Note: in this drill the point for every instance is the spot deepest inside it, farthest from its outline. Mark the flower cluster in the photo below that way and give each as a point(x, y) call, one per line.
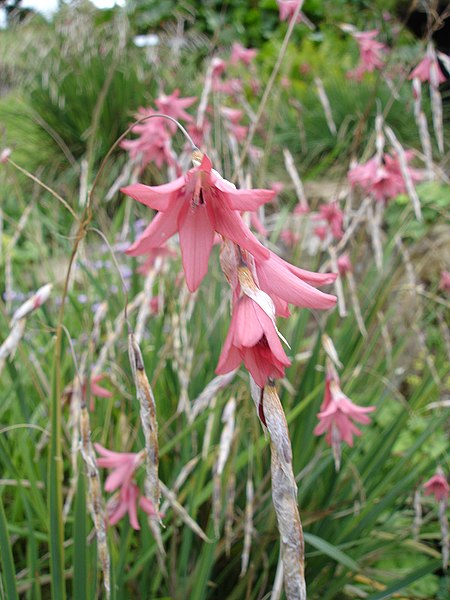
point(370, 54)
point(153, 143)
point(382, 177)
point(201, 204)
point(123, 465)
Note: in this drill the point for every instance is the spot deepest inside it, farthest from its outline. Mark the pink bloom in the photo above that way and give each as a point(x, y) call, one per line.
point(174, 106)
point(95, 390)
point(153, 143)
point(123, 465)
point(234, 115)
point(338, 411)
point(370, 53)
point(344, 265)
point(238, 131)
point(198, 132)
point(444, 283)
point(196, 205)
point(428, 70)
point(239, 53)
point(437, 486)
point(218, 66)
point(252, 338)
point(287, 9)
point(382, 178)
point(285, 284)
point(4, 155)
point(321, 232)
point(277, 187)
point(333, 216)
point(229, 87)
point(126, 502)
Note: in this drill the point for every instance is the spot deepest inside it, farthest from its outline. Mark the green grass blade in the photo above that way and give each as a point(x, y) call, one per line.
point(400, 584)
point(9, 575)
point(331, 551)
point(80, 545)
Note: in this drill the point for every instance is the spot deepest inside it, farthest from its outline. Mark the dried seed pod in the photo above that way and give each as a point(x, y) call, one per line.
point(95, 499)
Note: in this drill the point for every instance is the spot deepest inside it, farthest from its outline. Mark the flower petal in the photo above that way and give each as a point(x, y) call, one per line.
point(163, 227)
point(158, 197)
point(196, 241)
point(230, 224)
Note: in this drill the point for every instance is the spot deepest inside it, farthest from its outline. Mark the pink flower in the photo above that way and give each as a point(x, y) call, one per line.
point(382, 177)
point(123, 465)
point(333, 216)
point(428, 70)
point(196, 205)
point(337, 412)
point(444, 283)
point(229, 87)
point(95, 390)
point(4, 155)
point(174, 106)
point(126, 502)
point(238, 131)
point(199, 132)
point(153, 143)
point(287, 10)
point(370, 53)
point(244, 55)
point(234, 115)
point(344, 265)
point(285, 284)
point(437, 486)
point(218, 66)
point(252, 338)
point(277, 187)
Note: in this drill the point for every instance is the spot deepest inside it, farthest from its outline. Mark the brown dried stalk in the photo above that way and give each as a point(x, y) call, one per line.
point(95, 498)
point(150, 428)
point(284, 491)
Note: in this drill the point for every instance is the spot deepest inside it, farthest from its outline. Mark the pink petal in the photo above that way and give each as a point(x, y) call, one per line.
point(158, 197)
point(230, 224)
point(247, 200)
point(196, 241)
point(248, 330)
point(97, 390)
point(230, 357)
point(163, 227)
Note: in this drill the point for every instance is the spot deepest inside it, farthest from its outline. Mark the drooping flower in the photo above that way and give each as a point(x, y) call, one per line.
point(344, 265)
point(174, 106)
point(95, 389)
point(370, 53)
point(337, 414)
point(437, 486)
point(333, 217)
point(153, 143)
point(241, 54)
point(382, 176)
point(444, 283)
point(428, 70)
point(287, 10)
point(123, 465)
point(252, 339)
point(196, 205)
point(126, 502)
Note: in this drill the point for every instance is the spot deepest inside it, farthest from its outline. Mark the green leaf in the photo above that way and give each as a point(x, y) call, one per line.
point(400, 584)
point(331, 551)
point(9, 575)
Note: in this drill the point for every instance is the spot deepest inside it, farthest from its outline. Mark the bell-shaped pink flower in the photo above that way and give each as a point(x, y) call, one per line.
point(437, 486)
point(333, 217)
point(370, 53)
point(153, 143)
point(344, 265)
point(287, 10)
point(196, 205)
point(444, 282)
point(174, 106)
point(96, 390)
point(253, 339)
point(338, 412)
point(126, 502)
point(241, 54)
point(123, 465)
point(428, 70)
